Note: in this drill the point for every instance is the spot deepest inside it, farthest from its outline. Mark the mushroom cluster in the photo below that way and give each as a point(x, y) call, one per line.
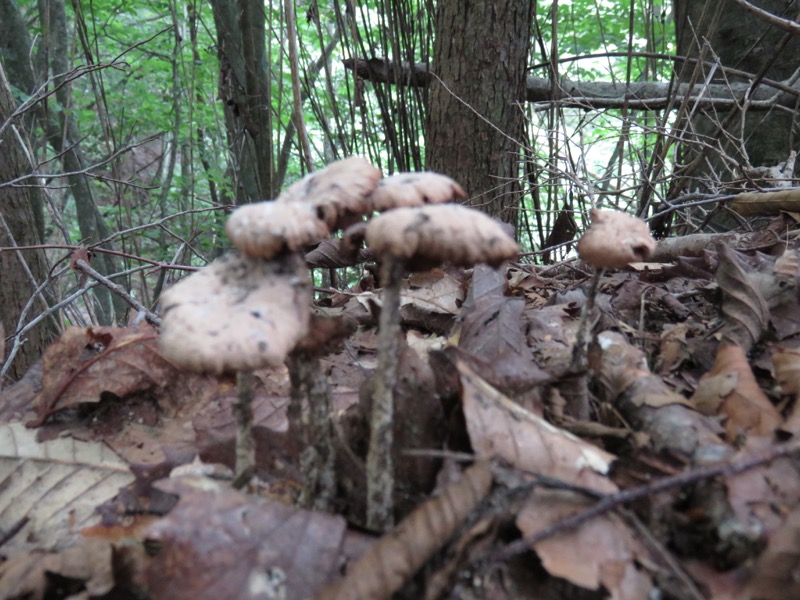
point(251, 309)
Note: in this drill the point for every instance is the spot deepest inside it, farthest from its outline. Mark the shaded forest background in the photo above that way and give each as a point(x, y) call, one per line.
point(632, 426)
point(130, 130)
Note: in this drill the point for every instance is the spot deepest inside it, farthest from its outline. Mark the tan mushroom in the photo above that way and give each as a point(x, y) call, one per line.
point(265, 229)
point(412, 239)
point(339, 193)
point(415, 189)
point(431, 235)
point(614, 240)
point(236, 314)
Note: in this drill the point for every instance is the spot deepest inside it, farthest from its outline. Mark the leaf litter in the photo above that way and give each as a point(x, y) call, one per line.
point(692, 372)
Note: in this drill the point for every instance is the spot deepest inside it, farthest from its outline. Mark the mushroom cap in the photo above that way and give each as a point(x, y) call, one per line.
point(427, 236)
point(236, 314)
point(338, 193)
point(614, 240)
point(415, 189)
point(265, 229)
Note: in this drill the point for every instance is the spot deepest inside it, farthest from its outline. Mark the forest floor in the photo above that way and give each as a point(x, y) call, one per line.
point(667, 466)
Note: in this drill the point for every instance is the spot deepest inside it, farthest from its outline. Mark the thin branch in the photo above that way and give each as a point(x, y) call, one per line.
point(151, 317)
point(607, 503)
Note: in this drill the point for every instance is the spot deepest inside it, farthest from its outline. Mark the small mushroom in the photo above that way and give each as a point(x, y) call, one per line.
point(614, 240)
point(265, 229)
point(415, 189)
point(236, 315)
point(410, 239)
point(338, 193)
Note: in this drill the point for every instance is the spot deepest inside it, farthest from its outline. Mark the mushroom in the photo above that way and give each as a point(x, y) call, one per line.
point(265, 229)
point(236, 315)
point(412, 239)
point(304, 214)
point(338, 193)
point(614, 240)
point(415, 189)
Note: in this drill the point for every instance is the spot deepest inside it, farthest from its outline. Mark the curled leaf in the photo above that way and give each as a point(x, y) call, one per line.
point(730, 389)
point(743, 307)
point(385, 567)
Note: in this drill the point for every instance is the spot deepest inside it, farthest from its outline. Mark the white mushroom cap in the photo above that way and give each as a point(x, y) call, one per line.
point(614, 240)
point(415, 189)
point(264, 229)
point(337, 193)
point(430, 235)
point(236, 314)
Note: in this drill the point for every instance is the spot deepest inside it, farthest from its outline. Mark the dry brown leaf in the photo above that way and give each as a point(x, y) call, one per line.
point(601, 552)
point(744, 309)
point(615, 240)
point(775, 571)
point(394, 559)
point(244, 549)
point(499, 428)
point(55, 485)
point(730, 389)
point(673, 351)
point(434, 291)
point(786, 365)
point(30, 576)
point(623, 366)
point(84, 363)
point(623, 378)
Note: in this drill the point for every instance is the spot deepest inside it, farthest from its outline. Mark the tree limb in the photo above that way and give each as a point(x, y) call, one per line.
point(597, 95)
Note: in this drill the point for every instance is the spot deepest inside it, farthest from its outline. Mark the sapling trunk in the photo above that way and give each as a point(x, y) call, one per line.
point(380, 470)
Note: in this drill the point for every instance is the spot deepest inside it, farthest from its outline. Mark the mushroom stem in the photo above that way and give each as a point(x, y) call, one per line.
point(245, 442)
point(380, 470)
point(578, 402)
point(311, 426)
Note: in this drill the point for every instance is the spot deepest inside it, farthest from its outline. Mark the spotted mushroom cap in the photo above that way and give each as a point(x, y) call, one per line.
point(614, 240)
point(415, 189)
point(236, 314)
point(265, 229)
point(443, 233)
point(339, 193)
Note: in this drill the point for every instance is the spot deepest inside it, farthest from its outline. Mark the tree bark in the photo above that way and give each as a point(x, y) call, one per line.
point(475, 122)
point(21, 271)
point(60, 128)
point(244, 91)
point(724, 141)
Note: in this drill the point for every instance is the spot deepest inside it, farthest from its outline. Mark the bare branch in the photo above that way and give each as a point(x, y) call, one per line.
point(598, 95)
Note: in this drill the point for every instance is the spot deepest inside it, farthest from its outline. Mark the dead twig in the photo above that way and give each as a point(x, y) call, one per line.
point(612, 501)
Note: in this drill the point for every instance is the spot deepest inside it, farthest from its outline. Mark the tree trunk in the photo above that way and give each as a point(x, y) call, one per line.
point(22, 271)
point(244, 91)
point(475, 120)
point(60, 128)
point(724, 144)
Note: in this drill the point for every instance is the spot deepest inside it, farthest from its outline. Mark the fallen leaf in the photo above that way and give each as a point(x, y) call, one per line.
point(53, 487)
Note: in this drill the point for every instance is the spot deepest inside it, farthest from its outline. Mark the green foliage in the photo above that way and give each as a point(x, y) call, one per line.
point(151, 119)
